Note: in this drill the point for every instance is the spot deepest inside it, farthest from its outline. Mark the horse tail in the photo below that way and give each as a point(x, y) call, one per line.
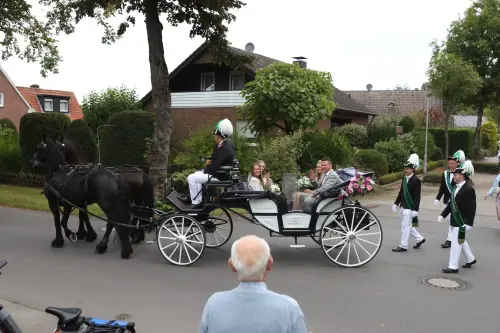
point(123, 199)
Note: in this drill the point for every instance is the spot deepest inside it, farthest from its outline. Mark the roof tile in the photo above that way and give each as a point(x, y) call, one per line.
point(30, 95)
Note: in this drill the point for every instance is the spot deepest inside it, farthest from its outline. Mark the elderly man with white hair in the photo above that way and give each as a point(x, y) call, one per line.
point(251, 307)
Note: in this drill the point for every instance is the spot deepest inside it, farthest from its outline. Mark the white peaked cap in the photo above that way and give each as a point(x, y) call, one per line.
point(224, 128)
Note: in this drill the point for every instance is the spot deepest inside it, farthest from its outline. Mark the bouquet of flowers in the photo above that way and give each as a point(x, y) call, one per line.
point(274, 188)
point(358, 185)
point(304, 183)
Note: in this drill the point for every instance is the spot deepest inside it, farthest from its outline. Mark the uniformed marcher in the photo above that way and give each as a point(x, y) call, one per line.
point(446, 186)
point(409, 200)
point(223, 155)
point(462, 208)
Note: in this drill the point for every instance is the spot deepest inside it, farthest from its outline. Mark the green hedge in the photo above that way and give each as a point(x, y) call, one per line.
point(432, 177)
point(10, 152)
point(482, 167)
point(356, 134)
point(126, 140)
point(7, 123)
point(457, 138)
point(396, 176)
point(372, 160)
point(31, 129)
point(81, 133)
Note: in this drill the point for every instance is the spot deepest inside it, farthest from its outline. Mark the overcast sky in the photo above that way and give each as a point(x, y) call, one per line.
point(384, 42)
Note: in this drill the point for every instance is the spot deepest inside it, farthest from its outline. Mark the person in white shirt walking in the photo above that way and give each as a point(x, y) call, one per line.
point(409, 200)
point(462, 208)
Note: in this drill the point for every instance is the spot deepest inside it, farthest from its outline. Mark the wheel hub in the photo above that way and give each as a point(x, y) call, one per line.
point(351, 236)
point(181, 239)
point(209, 227)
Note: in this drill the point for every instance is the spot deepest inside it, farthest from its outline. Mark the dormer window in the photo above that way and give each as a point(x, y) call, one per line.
point(48, 105)
point(63, 106)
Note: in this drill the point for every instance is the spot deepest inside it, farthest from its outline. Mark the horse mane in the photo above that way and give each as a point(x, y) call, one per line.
point(74, 147)
point(56, 154)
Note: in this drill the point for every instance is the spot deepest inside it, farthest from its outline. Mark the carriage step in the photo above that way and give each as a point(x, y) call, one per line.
point(297, 246)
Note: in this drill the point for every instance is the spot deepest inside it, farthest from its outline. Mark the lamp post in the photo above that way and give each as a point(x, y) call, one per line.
point(426, 131)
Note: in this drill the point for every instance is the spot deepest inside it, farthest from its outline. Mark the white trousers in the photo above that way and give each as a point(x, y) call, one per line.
point(450, 232)
point(407, 229)
point(195, 182)
point(456, 249)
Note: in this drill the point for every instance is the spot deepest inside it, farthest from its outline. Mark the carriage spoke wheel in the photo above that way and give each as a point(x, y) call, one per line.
point(351, 236)
point(181, 240)
point(218, 227)
point(329, 235)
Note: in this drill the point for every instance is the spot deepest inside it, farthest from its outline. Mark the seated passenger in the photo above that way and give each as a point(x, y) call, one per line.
point(255, 178)
point(223, 155)
point(330, 178)
point(315, 178)
point(266, 175)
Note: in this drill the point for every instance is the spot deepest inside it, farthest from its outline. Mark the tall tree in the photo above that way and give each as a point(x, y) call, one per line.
point(287, 97)
point(453, 80)
point(476, 38)
point(207, 19)
point(492, 113)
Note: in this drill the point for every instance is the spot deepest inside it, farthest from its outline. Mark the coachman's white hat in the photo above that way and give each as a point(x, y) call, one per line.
point(224, 128)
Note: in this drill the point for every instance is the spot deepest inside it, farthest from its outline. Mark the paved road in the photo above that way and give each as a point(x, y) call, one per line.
point(383, 296)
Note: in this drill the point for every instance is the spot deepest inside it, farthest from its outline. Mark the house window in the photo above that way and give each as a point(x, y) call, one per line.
point(207, 81)
point(63, 106)
point(48, 105)
point(1, 100)
point(236, 81)
point(242, 128)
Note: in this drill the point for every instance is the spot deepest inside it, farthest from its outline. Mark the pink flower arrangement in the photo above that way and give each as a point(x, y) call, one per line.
point(358, 184)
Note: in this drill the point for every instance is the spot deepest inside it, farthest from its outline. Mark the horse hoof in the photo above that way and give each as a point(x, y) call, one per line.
point(91, 237)
point(72, 237)
point(101, 248)
point(58, 243)
point(81, 235)
point(126, 254)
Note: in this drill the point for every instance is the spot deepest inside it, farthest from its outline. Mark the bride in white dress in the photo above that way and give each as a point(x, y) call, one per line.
point(255, 178)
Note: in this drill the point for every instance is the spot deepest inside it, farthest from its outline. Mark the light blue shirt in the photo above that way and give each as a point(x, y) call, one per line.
point(252, 308)
point(494, 185)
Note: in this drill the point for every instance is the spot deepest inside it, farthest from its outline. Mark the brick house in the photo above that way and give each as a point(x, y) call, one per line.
point(396, 102)
point(15, 101)
point(205, 92)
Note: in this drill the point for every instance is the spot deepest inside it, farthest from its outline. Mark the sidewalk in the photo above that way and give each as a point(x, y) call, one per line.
point(28, 319)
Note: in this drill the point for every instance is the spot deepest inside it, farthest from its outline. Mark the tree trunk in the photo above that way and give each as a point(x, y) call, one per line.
point(446, 142)
point(477, 138)
point(162, 102)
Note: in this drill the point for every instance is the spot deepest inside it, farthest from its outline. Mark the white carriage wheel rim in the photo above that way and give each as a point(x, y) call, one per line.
point(183, 236)
point(353, 244)
point(218, 234)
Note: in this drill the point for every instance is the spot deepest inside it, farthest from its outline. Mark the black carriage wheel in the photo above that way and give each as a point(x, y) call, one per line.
point(354, 224)
point(218, 227)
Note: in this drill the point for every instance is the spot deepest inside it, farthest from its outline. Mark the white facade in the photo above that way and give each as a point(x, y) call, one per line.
point(207, 99)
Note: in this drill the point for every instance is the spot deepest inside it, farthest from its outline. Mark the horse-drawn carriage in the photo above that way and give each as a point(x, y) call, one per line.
point(344, 229)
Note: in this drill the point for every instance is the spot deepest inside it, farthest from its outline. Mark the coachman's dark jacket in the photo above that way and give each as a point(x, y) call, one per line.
point(414, 186)
point(466, 204)
point(223, 155)
point(443, 189)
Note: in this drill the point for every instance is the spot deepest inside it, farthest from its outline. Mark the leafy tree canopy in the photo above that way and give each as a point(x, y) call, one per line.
point(287, 97)
point(98, 106)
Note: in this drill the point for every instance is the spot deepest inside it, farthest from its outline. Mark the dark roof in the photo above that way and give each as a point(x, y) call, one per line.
point(342, 100)
point(405, 101)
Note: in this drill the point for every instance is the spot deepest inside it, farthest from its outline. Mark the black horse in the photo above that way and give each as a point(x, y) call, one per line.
point(140, 186)
point(82, 186)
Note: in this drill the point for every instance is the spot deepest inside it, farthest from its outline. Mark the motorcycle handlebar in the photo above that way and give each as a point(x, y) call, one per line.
point(2, 264)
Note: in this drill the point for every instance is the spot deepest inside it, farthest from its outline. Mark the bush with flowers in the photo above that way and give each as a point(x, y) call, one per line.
point(358, 185)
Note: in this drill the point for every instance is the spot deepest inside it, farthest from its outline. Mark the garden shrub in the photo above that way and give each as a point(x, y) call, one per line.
point(491, 130)
point(126, 142)
point(407, 123)
point(437, 154)
point(281, 154)
point(372, 160)
point(10, 152)
point(485, 167)
point(320, 144)
point(457, 139)
point(356, 135)
point(31, 129)
point(79, 131)
point(432, 177)
point(395, 152)
point(418, 140)
point(7, 123)
point(383, 129)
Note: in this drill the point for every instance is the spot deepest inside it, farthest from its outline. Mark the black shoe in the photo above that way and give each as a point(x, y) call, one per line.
point(469, 264)
point(197, 206)
point(417, 246)
point(449, 270)
point(446, 244)
point(399, 249)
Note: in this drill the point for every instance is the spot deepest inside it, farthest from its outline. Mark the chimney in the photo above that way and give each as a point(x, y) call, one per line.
point(300, 61)
point(35, 86)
